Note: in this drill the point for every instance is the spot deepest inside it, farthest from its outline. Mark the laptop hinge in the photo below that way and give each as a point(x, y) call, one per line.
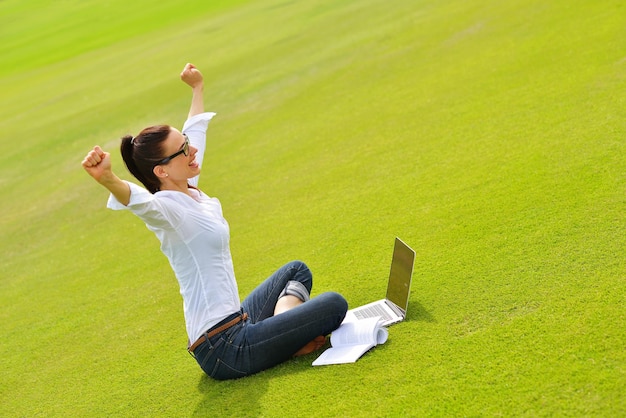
point(395, 308)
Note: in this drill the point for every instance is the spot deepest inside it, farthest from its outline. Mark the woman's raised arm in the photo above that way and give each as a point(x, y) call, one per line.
point(193, 77)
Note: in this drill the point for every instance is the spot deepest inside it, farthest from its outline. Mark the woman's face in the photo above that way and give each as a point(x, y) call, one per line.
point(179, 166)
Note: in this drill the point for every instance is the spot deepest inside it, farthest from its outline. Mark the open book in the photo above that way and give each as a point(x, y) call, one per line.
point(351, 340)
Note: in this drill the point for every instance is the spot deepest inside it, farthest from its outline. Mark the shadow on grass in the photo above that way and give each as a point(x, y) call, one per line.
point(240, 397)
point(416, 312)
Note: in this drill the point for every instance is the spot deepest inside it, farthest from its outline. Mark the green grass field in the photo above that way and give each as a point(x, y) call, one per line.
point(488, 135)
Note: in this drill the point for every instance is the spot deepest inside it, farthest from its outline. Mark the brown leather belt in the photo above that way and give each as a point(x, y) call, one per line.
point(213, 332)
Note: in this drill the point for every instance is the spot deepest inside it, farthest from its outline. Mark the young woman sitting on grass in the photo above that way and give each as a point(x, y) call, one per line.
point(228, 339)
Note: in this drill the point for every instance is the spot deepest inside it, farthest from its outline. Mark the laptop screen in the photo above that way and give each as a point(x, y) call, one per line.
point(400, 274)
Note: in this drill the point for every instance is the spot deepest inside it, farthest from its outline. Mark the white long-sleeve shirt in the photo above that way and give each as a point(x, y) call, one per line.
point(195, 238)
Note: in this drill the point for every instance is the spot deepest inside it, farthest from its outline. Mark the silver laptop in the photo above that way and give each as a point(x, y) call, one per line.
point(393, 308)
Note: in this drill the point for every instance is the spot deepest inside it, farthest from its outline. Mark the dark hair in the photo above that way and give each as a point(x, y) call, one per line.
point(142, 153)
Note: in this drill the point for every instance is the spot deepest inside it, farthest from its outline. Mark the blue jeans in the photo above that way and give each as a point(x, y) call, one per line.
point(265, 340)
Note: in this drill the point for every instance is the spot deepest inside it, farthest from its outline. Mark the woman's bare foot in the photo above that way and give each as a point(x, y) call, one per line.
point(314, 345)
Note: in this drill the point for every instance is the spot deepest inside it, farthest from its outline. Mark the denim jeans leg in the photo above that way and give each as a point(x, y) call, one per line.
point(261, 302)
point(265, 340)
point(276, 339)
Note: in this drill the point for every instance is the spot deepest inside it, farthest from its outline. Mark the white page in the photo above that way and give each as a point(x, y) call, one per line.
point(339, 355)
point(365, 331)
point(351, 340)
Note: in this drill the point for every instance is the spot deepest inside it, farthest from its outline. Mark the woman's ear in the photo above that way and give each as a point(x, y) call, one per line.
point(159, 171)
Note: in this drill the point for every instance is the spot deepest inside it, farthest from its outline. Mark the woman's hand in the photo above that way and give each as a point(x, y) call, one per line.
point(97, 163)
point(192, 76)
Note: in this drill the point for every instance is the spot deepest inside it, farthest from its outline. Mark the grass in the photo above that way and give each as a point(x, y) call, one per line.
point(488, 135)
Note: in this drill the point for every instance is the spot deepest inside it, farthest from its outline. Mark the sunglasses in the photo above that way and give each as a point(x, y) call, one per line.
point(184, 151)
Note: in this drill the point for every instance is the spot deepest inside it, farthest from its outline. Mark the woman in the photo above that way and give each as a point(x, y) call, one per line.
point(228, 339)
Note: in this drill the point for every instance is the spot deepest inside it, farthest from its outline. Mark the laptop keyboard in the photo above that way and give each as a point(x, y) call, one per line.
point(372, 311)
